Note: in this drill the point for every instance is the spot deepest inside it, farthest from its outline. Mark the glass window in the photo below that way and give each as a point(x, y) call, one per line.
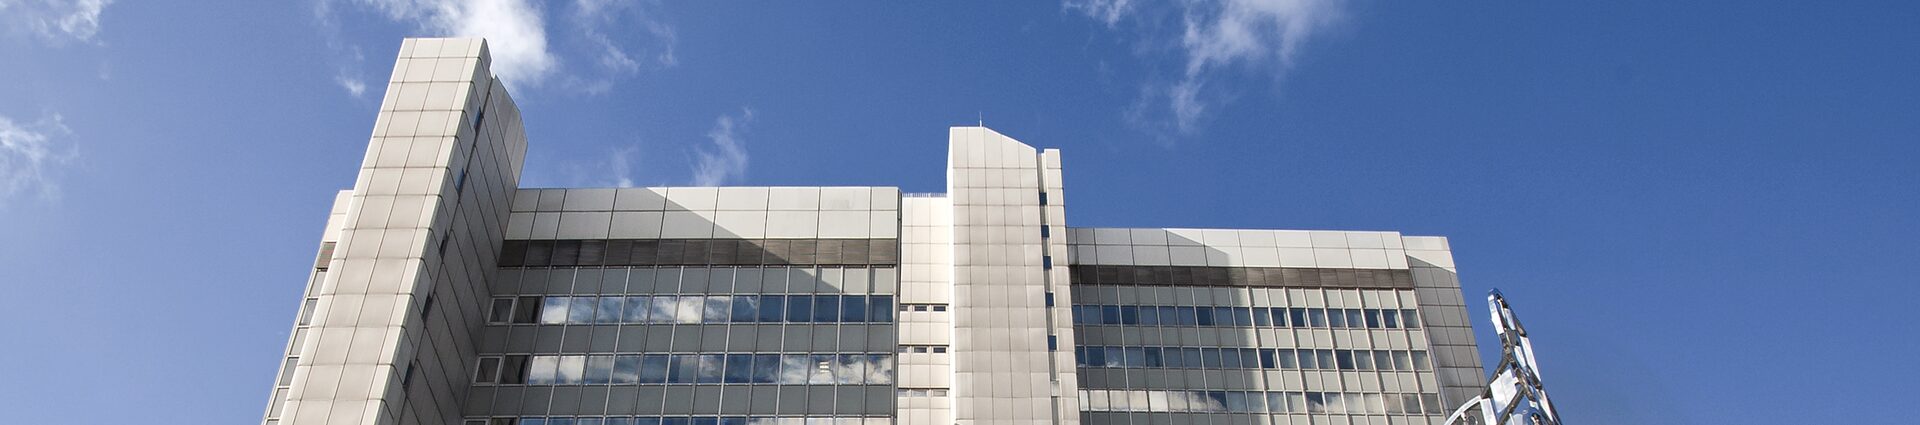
point(572, 370)
point(882, 308)
point(1266, 358)
point(1170, 316)
point(1242, 317)
point(1390, 318)
point(1297, 317)
point(1210, 358)
point(1203, 316)
point(1373, 318)
point(581, 310)
point(1276, 402)
point(609, 310)
point(746, 308)
point(1402, 361)
point(772, 308)
point(1261, 317)
point(820, 370)
point(1410, 318)
point(1096, 356)
point(502, 311)
point(1286, 359)
point(554, 310)
point(739, 369)
point(1110, 314)
point(1316, 403)
point(1325, 357)
point(664, 309)
point(540, 371)
point(826, 308)
point(1154, 357)
point(1335, 319)
point(513, 370)
point(690, 309)
point(794, 368)
point(1316, 318)
point(853, 309)
point(1420, 361)
point(626, 369)
point(683, 368)
point(799, 308)
point(1129, 315)
point(1363, 360)
point(1149, 316)
point(1192, 357)
point(526, 310)
point(653, 368)
point(766, 368)
point(712, 368)
point(1353, 318)
point(1343, 358)
point(719, 309)
point(489, 371)
point(1079, 315)
point(850, 369)
point(636, 310)
point(599, 370)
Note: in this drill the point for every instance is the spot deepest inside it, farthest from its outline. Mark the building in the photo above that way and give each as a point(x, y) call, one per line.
point(443, 293)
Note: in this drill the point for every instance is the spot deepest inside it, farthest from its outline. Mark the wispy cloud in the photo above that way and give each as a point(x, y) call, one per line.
point(54, 20)
point(726, 158)
point(353, 84)
point(30, 155)
point(1262, 36)
point(515, 30)
point(595, 50)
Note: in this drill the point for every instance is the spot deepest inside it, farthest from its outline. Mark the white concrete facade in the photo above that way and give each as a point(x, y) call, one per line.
point(446, 294)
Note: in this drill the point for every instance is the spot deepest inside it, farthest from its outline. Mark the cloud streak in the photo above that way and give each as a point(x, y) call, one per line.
point(30, 154)
point(726, 159)
point(54, 20)
point(1215, 36)
point(515, 30)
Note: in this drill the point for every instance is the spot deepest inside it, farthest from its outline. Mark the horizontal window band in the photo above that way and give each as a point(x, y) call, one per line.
point(1288, 277)
point(699, 252)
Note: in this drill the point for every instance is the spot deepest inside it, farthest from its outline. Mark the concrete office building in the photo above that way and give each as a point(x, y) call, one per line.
point(443, 293)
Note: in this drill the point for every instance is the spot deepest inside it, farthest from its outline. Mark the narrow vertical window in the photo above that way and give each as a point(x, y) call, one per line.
point(526, 310)
point(501, 311)
point(1046, 262)
point(488, 372)
point(1049, 299)
point(1046, 232)
point(1043, 198)
point(1053, 343)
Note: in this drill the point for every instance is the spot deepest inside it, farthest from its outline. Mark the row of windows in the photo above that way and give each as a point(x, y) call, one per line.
point(922, 392)
point(927, 307)
point(1257, 402)
point(796, 369)
point(1291, 277)
point(743, 252)
point(693, 309)
point(644, 420)
point(1240, 317)
point(1250, 358)
point(923, 349)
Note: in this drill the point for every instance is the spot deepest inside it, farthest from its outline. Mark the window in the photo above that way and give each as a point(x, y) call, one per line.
point(513, 370)
point(488, 372)
point(1049, 299)
point(1046, 262)
point(1043, 198)
point(1045, 232)
point(501, 312)
point(938, 350)
point(526, 310)
point(1053, 343)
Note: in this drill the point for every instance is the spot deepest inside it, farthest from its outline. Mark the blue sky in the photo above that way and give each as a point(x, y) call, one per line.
point(1706, 211)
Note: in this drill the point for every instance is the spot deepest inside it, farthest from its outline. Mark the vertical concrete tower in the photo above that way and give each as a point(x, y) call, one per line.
point(386, 335)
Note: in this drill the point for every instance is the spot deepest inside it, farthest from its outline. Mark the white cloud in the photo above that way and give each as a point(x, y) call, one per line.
point(351, 83)
point(515, 30)
point(1108, 11)
point(726, 159)
point(1257, 35)
point(622, 162)
point(54, 20)
point(30, 153)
